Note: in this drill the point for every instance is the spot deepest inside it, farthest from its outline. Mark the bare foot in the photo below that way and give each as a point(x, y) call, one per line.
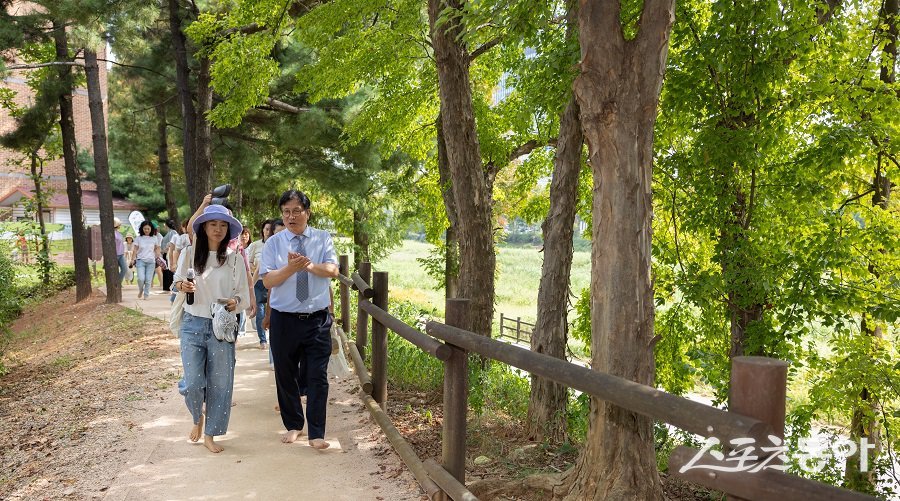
point(318, 443)
point(197, 430)
point(212, 446)
point(290, 436)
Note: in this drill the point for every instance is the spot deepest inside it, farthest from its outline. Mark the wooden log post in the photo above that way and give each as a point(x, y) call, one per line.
point(362, 318)
point(344, 264)
point(758, 389)
point(518, 328)
point(501, 324)
point(456, 395)
point(379, 341)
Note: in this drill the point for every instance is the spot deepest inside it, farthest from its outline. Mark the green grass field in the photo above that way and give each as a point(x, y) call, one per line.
point(519, 274)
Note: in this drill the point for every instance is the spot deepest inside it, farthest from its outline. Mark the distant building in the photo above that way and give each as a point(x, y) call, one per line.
point(15, 177)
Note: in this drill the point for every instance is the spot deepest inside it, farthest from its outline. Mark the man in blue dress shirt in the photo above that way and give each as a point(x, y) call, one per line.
point(297, 267)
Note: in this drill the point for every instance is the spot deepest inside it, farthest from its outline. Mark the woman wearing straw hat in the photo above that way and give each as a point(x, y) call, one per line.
point(209, 361)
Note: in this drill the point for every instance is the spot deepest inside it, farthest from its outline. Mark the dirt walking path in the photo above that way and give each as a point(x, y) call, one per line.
point(146, 455)
point(255, 464)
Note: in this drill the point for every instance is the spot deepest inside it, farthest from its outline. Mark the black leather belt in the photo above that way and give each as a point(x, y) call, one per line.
point(305, 316)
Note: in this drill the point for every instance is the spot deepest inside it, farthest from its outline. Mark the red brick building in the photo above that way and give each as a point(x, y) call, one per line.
point(15, 180)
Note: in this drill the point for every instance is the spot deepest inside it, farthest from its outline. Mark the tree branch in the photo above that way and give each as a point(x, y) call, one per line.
point(36, 66)
point(852, 199)
point(490, 44)
point(282, 106)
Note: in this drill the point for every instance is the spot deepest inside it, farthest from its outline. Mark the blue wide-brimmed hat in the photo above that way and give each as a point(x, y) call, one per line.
point(218, 213)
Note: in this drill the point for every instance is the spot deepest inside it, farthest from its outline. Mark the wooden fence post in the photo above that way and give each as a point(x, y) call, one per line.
point(758, 388)
point(456, 395)
point(344, 268)
point(362, 318)
point(501, 324)
point(379, 341)
point(518, 328)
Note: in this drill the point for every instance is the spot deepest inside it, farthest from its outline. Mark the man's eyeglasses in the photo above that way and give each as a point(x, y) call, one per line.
point(293, 213)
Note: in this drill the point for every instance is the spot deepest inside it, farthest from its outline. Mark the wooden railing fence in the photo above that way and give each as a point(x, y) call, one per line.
point(515, 329)
point(757, 399)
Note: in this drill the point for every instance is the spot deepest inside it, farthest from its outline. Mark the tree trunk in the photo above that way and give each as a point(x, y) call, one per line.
point(745, 299)
point(618, 93)
point(188, 112)
point(451, 264)
point(548, 401)
point(162, 154)
point(104, 190)
point(451, 241)
point(469, 184)
point(360, 238)
point(37, 177)
point(204, 129)
point(70, 157)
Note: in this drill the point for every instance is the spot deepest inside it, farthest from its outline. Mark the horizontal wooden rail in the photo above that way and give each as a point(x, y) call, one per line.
point(686, 414)
point(456, 490)
point(404, 450)
point(763, 485)
point(365, 381)
point(425, 343)
point(345, 280)
point(359, 284)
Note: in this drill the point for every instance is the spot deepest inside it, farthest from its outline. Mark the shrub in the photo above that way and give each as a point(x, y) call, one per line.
point(410, 368)
point(26, 287)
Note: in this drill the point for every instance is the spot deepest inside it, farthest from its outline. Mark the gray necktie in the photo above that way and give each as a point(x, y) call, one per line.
point(302, 276)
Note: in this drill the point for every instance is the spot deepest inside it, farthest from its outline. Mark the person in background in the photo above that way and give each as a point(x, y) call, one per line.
point(129, 258)
point(277, 227)
point(239, 245)
point(171, 234)
point(177, 245)
point(22, 245)
point(120, 250)
point(146, 250)
point(254, 253)
point(297, 267)
point(207, 361)
point(160, 263)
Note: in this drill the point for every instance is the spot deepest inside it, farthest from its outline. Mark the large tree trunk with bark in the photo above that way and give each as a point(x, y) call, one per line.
point(104, 189)
point(70, 158)
point(204, 129)
point(451, 241)
point(188, 111)
point(618, 93)
point(165, 173)
point(548, 401)
point(471, 190)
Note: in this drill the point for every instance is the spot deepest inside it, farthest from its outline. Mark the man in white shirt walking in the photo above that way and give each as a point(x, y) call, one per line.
point(297, 267)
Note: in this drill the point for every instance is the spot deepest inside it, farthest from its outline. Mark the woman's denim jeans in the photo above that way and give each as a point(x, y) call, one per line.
point(145, 270)
point(123, 267)
point(208, 373)
point(261, 295)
